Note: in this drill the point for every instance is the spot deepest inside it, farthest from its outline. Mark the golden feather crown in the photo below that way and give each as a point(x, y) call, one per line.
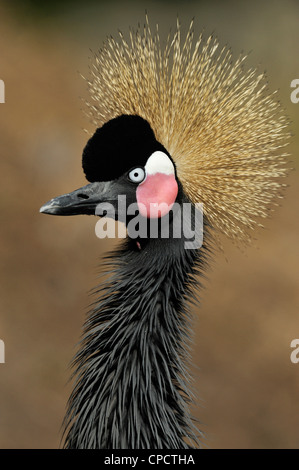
point(224, 131)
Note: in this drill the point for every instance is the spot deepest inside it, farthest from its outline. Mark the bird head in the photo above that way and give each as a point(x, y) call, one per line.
point(182, 119)
point(122, 159)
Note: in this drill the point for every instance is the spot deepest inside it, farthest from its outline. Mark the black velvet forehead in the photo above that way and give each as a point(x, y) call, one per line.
point(123, 143)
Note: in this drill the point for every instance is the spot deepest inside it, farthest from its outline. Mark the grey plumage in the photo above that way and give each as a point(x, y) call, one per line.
point(221, 137)
point(132, 383)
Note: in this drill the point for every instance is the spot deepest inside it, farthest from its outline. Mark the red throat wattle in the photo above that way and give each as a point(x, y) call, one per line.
point(156, 195)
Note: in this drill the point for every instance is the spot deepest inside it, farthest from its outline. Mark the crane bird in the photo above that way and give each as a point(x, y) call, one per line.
point(175, 124)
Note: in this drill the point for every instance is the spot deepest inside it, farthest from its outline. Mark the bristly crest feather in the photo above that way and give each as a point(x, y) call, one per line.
point(222, 128)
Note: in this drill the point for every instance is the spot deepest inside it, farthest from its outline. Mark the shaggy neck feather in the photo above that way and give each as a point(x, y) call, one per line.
point(131, 388)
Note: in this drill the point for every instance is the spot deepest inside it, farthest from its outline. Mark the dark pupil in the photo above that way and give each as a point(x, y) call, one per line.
point(136, 174)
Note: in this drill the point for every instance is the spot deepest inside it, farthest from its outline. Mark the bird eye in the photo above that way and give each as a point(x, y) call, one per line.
point(137, 175)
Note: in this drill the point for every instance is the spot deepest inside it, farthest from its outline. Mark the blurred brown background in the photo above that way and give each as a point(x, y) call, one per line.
point(247, 385)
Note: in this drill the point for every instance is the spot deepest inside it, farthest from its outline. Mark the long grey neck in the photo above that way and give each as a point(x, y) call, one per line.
point(131, 388)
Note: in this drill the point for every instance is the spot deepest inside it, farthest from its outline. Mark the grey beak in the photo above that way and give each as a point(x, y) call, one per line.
point(81, 201)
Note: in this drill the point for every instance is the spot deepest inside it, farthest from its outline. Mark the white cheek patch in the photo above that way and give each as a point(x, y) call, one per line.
point(156, 194)
point(159, 162)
